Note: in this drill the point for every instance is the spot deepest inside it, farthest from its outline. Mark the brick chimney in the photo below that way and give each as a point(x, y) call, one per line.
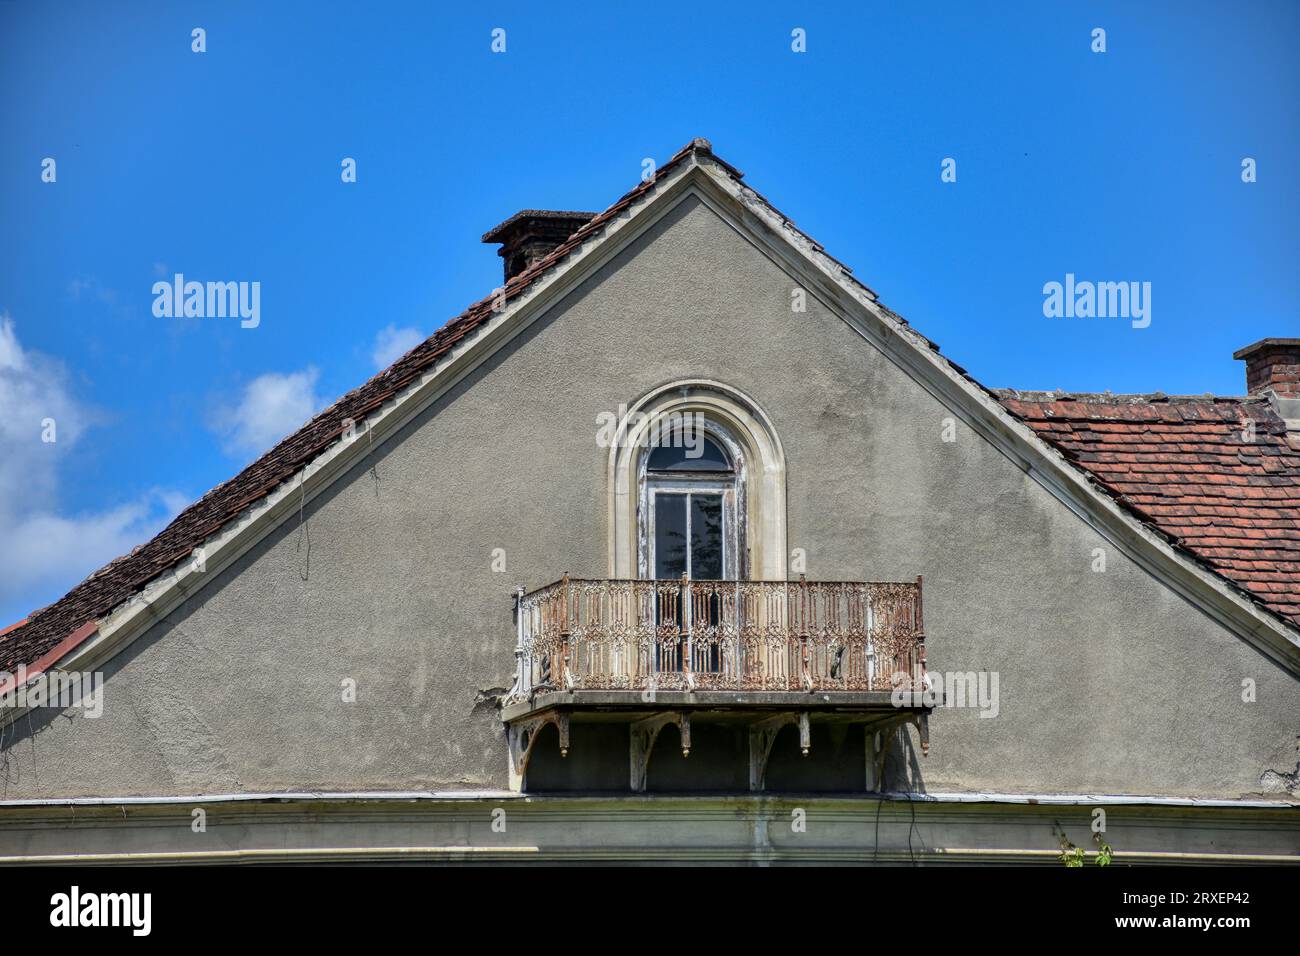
point(533, 234)
point(1273, 370)
point(1272, 364)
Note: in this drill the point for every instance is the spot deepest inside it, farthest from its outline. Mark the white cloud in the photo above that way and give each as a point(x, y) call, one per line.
point(269, 408)
point(34, 397)
point(392, 343)
point(46, 551)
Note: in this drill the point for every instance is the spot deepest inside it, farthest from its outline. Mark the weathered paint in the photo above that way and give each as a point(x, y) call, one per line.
point(1109, 682)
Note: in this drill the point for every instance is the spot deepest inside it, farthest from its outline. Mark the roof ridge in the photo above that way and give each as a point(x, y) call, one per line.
point(1101, 398)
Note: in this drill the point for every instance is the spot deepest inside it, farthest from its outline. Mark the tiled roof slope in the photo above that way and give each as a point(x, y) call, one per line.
point(126, 576)
point(1215, 475)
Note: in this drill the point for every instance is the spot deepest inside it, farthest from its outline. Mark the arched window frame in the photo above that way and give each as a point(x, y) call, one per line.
point(747, 434)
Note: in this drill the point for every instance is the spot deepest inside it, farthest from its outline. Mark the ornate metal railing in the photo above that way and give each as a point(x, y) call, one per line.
point(679, 634)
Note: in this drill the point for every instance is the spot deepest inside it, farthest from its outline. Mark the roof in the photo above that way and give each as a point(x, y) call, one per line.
point(1216, 475)
point(46, 631)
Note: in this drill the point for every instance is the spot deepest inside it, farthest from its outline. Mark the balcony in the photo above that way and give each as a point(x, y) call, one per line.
point(763, 653)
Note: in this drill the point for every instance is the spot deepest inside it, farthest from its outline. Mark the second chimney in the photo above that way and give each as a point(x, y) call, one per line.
point(531, 235)
point(1272, 364)
point(1273, 370)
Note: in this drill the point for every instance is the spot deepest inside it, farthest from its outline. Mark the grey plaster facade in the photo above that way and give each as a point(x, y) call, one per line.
point(1110, 682)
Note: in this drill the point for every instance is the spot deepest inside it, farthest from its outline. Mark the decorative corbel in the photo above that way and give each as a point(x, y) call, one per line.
point(762, 736)
point(522, 734)
point(644, 733)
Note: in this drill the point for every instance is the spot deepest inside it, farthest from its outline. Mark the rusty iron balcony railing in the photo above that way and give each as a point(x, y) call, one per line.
point(680, 634)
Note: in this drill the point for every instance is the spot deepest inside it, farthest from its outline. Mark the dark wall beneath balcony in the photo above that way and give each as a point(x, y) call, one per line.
point(836, 762)
point(598, 761)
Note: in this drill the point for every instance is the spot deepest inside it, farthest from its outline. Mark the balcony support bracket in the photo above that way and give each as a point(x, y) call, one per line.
point(642, 743)
point(878, 735)
point(522, 734)
point(762, 736)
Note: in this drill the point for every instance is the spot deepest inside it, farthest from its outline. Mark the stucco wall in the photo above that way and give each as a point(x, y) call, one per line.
point(1109, 683)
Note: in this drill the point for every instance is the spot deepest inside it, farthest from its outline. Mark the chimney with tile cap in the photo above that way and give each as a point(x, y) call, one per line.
point(531, 235)
point(1273, 370)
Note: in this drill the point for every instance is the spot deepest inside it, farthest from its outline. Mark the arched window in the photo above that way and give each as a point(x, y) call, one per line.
point(697, 486)
point(690, 491)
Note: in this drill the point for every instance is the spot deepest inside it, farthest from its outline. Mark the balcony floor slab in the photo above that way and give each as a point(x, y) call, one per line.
point(631, 704)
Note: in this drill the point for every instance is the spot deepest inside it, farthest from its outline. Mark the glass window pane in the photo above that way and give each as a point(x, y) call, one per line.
point(695, 452)
point(706, 537)
point(670, 535)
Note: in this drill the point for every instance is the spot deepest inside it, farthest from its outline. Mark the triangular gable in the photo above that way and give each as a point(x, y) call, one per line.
point(131, 593)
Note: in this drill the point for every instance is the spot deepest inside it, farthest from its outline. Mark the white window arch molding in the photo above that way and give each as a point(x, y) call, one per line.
point(750, 437)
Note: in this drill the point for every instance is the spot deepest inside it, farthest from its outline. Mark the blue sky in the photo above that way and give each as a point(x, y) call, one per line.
point(1123, 165)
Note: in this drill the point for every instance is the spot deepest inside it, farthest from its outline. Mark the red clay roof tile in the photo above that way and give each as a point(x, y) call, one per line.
point(1217, 475)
